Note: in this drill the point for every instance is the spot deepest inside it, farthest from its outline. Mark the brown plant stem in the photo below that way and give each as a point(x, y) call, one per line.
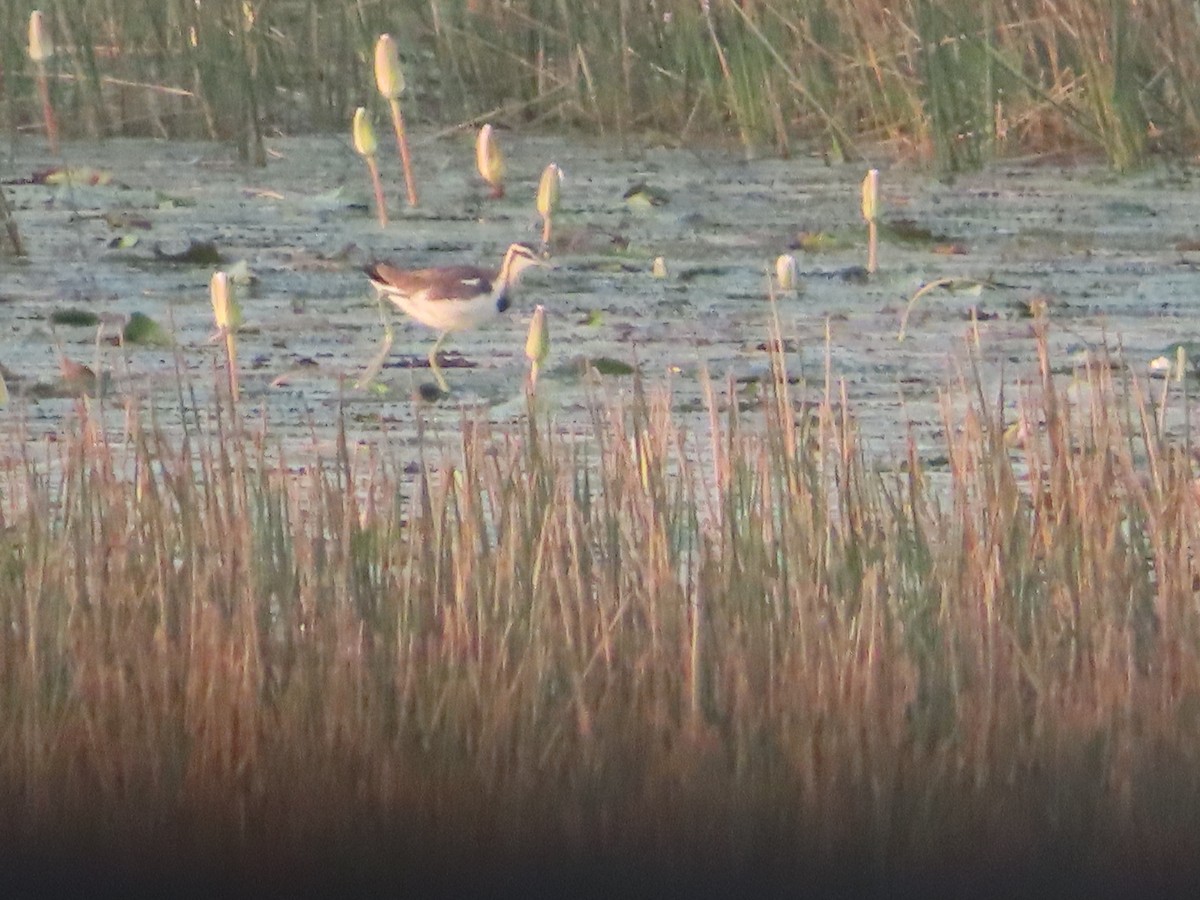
point(47, 108)
point(402, 143)
point(377, 186)
point(10, 225)
point(231, 361)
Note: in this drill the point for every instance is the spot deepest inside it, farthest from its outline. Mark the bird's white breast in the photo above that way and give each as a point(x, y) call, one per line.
point(443, 314)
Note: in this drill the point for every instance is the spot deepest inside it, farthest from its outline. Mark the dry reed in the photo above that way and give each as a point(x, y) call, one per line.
point(744, 650)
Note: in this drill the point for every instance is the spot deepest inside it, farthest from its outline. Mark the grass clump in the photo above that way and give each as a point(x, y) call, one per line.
point(692, 652)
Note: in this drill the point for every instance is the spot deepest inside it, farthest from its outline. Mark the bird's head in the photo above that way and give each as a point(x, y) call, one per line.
point(519, 258)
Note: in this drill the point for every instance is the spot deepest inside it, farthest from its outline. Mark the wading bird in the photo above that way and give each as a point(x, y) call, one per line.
point(453, 298)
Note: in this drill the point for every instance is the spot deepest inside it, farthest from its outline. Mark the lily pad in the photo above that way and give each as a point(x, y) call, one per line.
point(606, 365)
point(169, 201)
point(907, 231)
point(817, 242)
point(644, 196)
point(430, 392)
point(141, 329)
point(80, 318)
point(123, 242)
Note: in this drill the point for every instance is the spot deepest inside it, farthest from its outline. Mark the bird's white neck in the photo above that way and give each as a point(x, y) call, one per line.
point(511, 268)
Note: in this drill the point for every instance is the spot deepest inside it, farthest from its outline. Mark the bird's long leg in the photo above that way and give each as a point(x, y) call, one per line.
point(376, 364)
point(433, 363)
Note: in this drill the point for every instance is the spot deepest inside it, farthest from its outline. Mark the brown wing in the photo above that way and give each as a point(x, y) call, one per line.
point(450, 282)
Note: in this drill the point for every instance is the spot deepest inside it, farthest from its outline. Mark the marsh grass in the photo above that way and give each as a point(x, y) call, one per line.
point(948, 79)
point(747, 649)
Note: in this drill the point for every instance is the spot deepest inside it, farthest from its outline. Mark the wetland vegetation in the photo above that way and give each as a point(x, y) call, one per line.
point(745, 591)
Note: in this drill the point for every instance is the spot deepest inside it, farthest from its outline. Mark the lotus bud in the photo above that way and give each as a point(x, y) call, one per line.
point(389, 77)
point(41, 48)
point(547, 200)
point(219, 290)
point(659, 268)
point(870, 195)
point(365, 143)
point(870, 210)
point(537, 345)
point(225, 312)
point(489, 160)
point(548, 190)
point(786, 274)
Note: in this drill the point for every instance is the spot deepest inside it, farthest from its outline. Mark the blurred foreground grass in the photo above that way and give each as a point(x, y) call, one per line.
point(747, 652)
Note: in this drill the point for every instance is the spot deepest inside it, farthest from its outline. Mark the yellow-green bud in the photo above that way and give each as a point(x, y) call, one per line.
point(219, 290)
point(41, 48)
point(537, 345)
point(659, 268)
point(389, 77)
point(785, 272)
point(364, 134)
point(870, 195)
point(488, 157)
point(548, 190)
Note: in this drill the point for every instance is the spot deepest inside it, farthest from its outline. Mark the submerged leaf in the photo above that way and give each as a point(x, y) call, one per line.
point(125, 219)
point(908, 231)
point(74, 175)
point(197, 253)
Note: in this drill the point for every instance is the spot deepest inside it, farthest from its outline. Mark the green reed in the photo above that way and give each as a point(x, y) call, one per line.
point(952, 80)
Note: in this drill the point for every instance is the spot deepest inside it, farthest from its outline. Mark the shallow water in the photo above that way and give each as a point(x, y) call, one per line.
point(1114, 257)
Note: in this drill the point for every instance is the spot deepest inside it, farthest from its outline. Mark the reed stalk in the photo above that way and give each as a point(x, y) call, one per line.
point(526, 633)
